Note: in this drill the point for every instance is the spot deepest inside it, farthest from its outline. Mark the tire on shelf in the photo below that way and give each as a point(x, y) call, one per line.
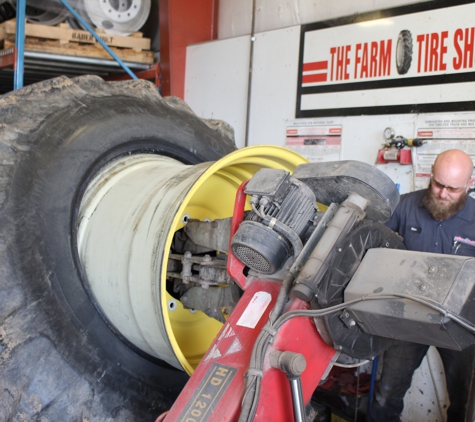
point(59, 360)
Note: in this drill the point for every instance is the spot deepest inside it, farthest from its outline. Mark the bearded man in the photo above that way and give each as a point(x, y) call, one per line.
point(439, 219)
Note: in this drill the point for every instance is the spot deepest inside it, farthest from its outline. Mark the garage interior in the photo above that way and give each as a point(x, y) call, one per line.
point(126, 157)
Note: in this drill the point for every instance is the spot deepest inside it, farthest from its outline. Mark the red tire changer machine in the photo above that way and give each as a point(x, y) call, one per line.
point(317, 284)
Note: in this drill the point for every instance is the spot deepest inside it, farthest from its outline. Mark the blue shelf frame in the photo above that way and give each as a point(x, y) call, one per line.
point(19, 61)
point(19, 64)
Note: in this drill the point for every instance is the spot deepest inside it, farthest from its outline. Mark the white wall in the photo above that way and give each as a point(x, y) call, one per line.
point(274, 85)
point(235, 15)
point(216, 81)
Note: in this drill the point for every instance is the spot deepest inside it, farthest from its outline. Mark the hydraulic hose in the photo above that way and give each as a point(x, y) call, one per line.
point(285, 231)
point(254, 375)
point(300, 261)
point(251, 396)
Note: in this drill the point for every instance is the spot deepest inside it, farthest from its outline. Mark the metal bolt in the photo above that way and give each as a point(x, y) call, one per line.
point(422, 287)
point(432, 269)
point(207, 258)
point(352, 323)
point(172, 305)
point(339, 249)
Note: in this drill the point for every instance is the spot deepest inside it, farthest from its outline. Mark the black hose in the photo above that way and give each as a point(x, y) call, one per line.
point(251, 397)
point(252, 391)
point(300, 261)
point(285, 231)
point(378, 296)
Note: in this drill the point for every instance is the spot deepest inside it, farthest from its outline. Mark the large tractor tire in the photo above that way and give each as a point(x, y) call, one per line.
point(59, 358)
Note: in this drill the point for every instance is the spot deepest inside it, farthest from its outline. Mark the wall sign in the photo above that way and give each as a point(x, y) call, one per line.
point(403, 60)
point(442, 132)
point(318, 141)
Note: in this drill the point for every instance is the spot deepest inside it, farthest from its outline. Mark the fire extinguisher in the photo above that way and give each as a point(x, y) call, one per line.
point(397, 148)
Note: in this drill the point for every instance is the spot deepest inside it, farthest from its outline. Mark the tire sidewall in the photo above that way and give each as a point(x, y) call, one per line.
point(65, 153)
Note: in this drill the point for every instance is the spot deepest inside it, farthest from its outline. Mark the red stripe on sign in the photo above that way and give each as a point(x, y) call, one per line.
point(318, 77)
point(315, 66)
point(425, 133)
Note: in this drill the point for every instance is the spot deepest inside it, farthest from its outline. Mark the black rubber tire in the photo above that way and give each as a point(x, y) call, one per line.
point(59, 361)
point(404, 52)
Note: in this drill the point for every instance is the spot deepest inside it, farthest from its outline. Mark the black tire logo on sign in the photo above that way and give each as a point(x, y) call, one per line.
point(404, 52)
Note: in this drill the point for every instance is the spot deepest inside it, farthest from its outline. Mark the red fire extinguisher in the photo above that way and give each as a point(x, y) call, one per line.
point(397, 148)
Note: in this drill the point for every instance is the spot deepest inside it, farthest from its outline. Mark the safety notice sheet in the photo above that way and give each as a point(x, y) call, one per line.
point(441, 132)
point(318, 140)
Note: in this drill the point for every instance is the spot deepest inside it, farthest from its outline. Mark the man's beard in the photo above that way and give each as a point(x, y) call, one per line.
point(440, 211)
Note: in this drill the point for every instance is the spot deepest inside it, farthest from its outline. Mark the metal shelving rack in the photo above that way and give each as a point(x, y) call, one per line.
point(28, 67)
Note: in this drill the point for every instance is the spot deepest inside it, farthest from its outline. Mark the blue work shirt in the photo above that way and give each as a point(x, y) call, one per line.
point(421, 232)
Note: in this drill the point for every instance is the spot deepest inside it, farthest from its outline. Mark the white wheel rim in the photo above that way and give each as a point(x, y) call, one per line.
point(127, 219)
point(118, 17)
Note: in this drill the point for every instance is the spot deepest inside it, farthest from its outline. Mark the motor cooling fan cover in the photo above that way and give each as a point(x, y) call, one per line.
point(260, 248)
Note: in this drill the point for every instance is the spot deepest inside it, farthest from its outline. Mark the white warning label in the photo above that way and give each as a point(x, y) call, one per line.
point(254, 311)
point(214, 353)
point(235, 347)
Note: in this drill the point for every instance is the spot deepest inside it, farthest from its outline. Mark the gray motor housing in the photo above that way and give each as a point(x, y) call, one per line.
point(333, 181)
point(278, 196)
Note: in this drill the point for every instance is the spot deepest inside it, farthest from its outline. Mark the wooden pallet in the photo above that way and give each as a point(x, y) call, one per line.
point(63, 40)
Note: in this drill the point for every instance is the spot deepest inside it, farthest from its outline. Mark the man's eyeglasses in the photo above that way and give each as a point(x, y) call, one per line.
point(449, 189)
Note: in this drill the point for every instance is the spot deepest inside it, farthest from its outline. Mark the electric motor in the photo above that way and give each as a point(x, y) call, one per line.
point(283, 208)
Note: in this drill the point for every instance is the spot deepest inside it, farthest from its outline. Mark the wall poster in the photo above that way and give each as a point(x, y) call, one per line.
point(442, 132)
point(318, 141)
